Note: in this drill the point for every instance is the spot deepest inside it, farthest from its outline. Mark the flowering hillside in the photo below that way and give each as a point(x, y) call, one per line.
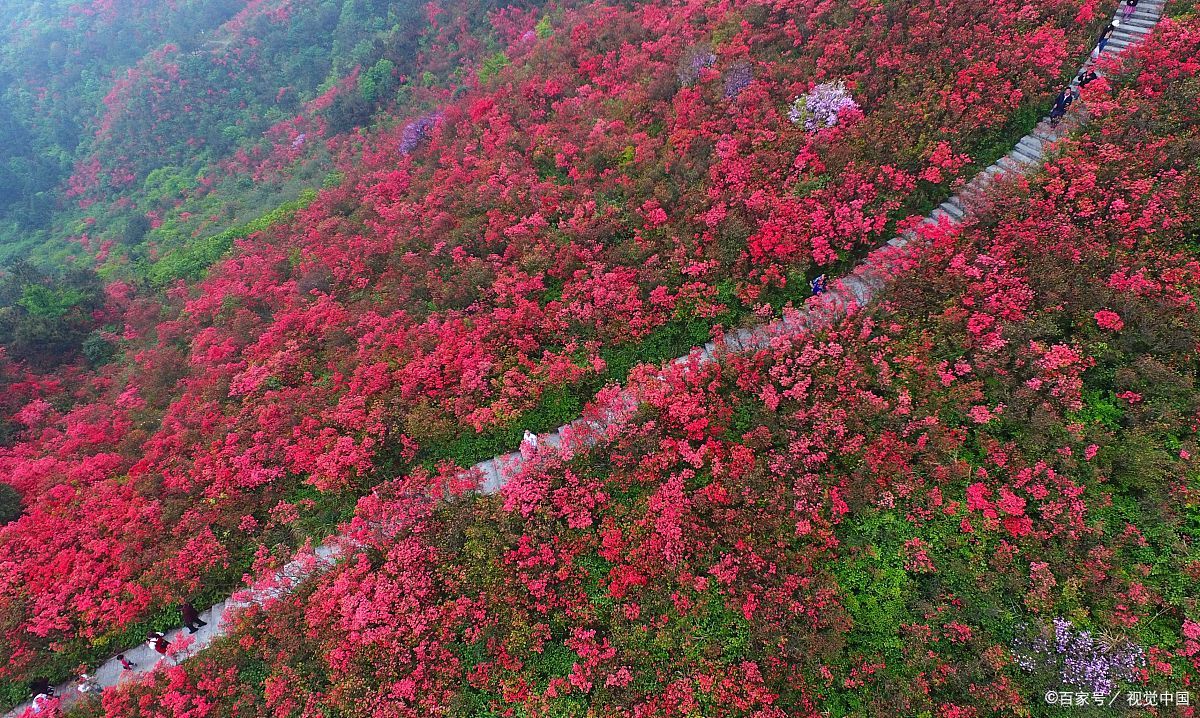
point(132, 127)
point(975, 494)
point(979, 492)
point(519, 205)
point(602, 190)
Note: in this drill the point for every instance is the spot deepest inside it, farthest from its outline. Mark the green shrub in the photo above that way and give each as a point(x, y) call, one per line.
point(379, 81)
point(191, 261)
point(11, 505)
point(492, 66)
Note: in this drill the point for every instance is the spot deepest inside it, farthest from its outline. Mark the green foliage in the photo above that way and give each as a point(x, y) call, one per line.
point(333, 179)
point(10, 503)
point(717, 626)
point(13, 692)
point(874, 584)
point(1180, 9)
point(554, 661)
point(44, 318)
point(544, 28)
point(191, 261)
point(167, 182)
point(492, 66)
point(1100, 408)
point(98, 350)
point(135, 229)
point(813, 184)
point(378, 82)
point(49, 302)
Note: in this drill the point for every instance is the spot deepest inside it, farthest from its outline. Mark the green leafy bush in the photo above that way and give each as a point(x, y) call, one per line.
point(11, 505)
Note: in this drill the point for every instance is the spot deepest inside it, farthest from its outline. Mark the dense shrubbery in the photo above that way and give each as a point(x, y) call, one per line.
point(574, 209)
point(56, 55)
point(191, 260)
point(165, 113)
point(10, 504)
point(45, 319)
point(980, 489)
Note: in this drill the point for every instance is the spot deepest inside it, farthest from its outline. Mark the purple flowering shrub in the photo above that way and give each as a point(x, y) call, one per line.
point(737, 77)
point(821, 106)
point(695, 59)
point(1080, 659)
point(417, 131)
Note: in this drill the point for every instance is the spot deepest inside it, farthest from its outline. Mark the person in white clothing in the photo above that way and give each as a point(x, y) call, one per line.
point(87, 684)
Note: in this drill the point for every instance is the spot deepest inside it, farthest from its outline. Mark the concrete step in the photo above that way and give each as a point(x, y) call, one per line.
point(1024, 156)
point(1045, 136)
point(955, 213)
point(1131, 29)
point(1147, 21)
point(1032, 145)
point(1011, 165)
point(1145, 18)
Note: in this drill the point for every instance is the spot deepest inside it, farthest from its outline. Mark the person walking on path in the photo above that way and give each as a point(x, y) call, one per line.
point(40, 686)
point(87, 684)
point(191, 617)
point(1061, 103)
point(1102, 41)
point(126, 664)
point(1127, 10)
point(158, 641)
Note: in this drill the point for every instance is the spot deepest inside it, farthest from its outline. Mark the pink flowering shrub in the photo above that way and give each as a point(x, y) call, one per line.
point(878, 517)
point(571, 212)
point(1109, 320)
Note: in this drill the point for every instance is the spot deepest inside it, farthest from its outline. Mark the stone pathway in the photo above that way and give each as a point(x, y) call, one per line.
point(856, 289)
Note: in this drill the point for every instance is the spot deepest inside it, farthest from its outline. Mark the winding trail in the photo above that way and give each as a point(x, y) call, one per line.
point(855, 289)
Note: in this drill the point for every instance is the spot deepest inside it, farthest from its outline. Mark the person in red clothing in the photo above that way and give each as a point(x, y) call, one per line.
point(191, 617)
point(158, 641)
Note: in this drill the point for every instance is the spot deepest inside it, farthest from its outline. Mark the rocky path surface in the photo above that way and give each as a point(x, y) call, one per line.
point(855, 289)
